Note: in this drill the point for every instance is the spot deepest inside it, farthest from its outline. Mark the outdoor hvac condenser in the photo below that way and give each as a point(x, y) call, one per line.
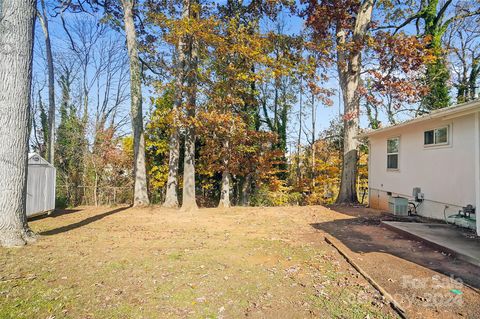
point(398, 206)
point(40, 186)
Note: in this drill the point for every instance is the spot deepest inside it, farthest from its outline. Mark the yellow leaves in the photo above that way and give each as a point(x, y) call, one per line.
point(200, 28)
point(157, 133)
point(127, 145)
point(158, 176)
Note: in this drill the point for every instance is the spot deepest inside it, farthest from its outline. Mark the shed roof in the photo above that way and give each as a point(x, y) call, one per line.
point(445, 113)
point(36, 159)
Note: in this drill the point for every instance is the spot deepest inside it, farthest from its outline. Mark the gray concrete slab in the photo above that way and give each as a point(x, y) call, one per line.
point(446, 238)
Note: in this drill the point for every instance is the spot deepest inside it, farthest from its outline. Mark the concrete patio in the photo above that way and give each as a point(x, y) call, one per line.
point(444, 237)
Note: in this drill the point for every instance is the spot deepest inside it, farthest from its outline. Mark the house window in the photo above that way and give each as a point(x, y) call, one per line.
point(438, 136)
point(392, 152)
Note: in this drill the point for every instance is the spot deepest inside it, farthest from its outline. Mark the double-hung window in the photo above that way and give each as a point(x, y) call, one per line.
point(438, 136)
point(393, 146)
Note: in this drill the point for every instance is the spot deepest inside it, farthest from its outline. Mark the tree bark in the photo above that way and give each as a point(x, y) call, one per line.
point(17, 19)
point(226, 178)
point(189, 201)
point(299, 136)
point(349, 65)
point(171, 197)
point(51, 84)
point(314, 122)
point(140, 195)
point(225, 191)
point(246, 187)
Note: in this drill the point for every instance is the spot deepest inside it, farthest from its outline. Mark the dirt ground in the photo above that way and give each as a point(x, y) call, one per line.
point(419, 277)
point(223, 263)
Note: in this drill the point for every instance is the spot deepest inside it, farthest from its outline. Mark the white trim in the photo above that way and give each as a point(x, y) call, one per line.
point(438, 145)
point(396, 153)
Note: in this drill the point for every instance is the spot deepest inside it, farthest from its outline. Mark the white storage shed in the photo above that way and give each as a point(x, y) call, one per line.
point(41, 179)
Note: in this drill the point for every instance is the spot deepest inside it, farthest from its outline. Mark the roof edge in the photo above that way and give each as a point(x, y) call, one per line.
point(451, 111)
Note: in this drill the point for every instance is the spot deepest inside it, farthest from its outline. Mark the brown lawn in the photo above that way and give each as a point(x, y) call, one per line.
point(213, 263)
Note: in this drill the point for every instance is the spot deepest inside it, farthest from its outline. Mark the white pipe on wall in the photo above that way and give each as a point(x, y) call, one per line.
point(477, 171)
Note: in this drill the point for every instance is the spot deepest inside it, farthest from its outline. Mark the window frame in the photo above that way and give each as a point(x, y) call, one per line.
point(434, 130)
point(394, 153)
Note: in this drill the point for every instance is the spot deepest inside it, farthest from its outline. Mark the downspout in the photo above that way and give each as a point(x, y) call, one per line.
point(477, 170)
point(369, 164)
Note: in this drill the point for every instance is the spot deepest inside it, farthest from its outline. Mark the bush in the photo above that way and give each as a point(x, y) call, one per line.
point(265, 197)
point(61, 202)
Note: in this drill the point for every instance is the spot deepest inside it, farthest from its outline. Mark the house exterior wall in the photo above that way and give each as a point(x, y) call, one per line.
point(447, 175)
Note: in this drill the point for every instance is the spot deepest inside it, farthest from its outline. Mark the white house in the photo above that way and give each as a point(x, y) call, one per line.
point(40, 185)
point(438, 153)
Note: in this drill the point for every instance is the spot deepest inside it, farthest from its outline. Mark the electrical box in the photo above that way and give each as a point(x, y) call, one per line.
point(417, 194)
point(398, 206)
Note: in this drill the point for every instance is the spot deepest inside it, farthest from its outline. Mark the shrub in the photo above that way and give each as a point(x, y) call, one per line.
point(282, 197)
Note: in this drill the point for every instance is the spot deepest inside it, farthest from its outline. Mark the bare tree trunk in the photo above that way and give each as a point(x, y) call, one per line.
point(245, 190)
point(95, 185)
point(171, 197)
point(225, 189)
point(299, 137)
point(189, 202)
point(349, 65)
point(314, 122)
point(140, 195)
point(17, 19)
point(51, 85)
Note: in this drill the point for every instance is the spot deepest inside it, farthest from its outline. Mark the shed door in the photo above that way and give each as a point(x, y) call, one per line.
point(36, 184)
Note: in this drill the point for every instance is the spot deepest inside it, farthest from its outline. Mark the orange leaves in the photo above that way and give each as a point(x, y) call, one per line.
point(407, 53)
point(225, 135)
point(395, 78)
point(350, 116)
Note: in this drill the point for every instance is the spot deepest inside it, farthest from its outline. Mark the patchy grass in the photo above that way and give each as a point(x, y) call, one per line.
point(156, 263)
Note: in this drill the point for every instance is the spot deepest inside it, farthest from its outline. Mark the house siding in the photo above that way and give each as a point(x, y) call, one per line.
point(446, 174)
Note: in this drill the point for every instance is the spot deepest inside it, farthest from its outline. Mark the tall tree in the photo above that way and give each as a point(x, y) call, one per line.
point(50, 134)
point(114, 12)
point(171, 196)
point(347, 22)
point(349, 66)
point(188, 196)
point(140, 196)
point(17, 19)
point(70, 140)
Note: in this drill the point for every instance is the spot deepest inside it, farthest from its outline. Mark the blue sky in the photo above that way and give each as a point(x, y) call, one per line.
point(294, 25)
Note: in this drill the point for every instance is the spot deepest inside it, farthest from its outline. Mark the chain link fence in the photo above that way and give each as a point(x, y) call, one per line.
point(68, 196)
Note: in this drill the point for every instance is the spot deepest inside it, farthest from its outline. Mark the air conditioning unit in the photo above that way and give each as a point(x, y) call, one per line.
point(398, 206)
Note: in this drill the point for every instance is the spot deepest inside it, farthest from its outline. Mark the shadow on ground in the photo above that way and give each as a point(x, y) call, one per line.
point(363, 233)
point(82, 223)
point(55, 213)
